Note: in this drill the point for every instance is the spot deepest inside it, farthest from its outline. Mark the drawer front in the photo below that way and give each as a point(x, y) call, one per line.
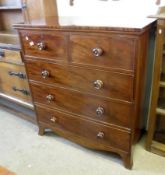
point(115, 52)
point(13, 81)
point(92, 131)
point(89, 106)
point(10, 56)
point(49, 45)
point(108, 84)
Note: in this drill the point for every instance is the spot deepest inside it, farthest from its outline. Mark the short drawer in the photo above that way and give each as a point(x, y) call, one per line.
point(49, 45)
point(100, 135)
point(115, 52)
point(102, 83)
point(13, 81)
point(86, 106)
point(10, 56)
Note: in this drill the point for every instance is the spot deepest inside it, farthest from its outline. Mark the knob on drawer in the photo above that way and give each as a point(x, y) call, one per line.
point(31, 44)
point(98, 84)
point(53, 119)
point(41, 46)
point(45, 74)
point(100, 135)
point(49, 98)
point(100, 111)
point(97, 52)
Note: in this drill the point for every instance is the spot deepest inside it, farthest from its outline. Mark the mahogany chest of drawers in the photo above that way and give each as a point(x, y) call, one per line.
point(87, 83)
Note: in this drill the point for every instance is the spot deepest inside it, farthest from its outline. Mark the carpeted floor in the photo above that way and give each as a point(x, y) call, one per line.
point(25, 153)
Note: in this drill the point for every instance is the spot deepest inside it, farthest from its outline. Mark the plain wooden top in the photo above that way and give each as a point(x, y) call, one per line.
point(67, 24)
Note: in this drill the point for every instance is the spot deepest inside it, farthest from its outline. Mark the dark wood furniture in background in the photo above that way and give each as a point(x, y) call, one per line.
point(156, 124)
point(87, 83)
point(13, 80)
point(40, 9)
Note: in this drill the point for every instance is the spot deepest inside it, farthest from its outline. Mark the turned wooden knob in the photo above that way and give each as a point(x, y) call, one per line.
point(97, 52)
point(49, 98)
point(41, 46)
point(53, 119)
point(100, 135)
point(98, 84)
point(100, 111)
point(31, 44)
point(45, 74)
